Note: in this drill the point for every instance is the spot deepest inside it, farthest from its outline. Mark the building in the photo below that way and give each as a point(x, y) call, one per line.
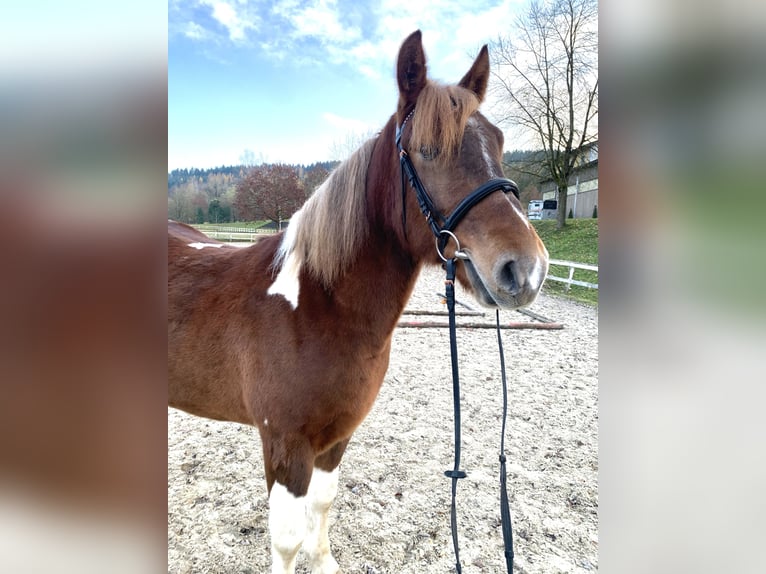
point(582, 193)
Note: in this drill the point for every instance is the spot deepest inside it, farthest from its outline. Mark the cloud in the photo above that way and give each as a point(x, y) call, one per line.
point(195, 31)
point(322, 20)
point(364, 36)
point(236, 23)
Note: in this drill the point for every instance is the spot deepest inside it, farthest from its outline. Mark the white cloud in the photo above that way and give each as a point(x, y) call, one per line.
point(236, 22)
point(321, 20)
point(195, 31)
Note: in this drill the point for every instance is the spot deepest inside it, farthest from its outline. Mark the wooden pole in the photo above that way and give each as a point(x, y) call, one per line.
point(435, 324)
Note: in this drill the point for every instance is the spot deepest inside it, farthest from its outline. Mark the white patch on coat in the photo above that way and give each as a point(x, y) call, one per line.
point(288, 282)
point(203, 245)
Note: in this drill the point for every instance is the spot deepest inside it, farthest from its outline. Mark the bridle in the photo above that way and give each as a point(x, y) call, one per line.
point(443, 227)
point(443, 230)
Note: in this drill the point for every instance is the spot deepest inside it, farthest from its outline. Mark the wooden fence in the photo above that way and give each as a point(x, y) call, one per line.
point(572, 265)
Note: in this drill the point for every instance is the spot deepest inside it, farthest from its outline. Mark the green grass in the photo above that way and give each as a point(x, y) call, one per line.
point(578, 242)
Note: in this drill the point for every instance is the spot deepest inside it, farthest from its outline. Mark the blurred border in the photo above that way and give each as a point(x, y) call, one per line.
point(682, 338)
point(83, 111)
point(83, 417)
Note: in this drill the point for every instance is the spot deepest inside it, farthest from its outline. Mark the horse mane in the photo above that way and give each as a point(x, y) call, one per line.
point(328, 231)
point(441, 114)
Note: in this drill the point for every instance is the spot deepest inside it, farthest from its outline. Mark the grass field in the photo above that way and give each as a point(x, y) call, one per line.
point(578, 242)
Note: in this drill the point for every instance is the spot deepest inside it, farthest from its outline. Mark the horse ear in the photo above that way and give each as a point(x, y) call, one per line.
point(477, 77)
point(411, 69)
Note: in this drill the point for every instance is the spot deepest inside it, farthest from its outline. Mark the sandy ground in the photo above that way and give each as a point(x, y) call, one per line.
point(392, 511)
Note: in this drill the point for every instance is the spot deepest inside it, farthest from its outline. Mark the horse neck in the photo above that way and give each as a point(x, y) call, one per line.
point(384, 274)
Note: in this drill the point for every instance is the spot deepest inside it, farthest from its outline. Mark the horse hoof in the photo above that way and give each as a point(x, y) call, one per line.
point(327, 566)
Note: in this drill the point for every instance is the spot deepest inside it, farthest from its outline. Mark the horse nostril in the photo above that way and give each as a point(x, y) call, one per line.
point(508, 277)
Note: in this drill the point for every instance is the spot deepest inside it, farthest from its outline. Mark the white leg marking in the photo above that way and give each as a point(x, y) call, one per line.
point(203, 245)
point(322, 491)
point(287, 525)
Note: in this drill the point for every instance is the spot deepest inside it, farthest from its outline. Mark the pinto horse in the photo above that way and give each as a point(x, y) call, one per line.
point(293, 334)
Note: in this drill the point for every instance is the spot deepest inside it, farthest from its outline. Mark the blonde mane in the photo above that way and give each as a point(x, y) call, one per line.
point(440, 118)
point(327, 232)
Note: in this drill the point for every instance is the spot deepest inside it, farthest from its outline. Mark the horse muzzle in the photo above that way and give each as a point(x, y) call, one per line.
point(510, 283)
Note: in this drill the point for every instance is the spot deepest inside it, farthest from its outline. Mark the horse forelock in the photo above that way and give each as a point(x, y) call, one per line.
point(327, 233)
point(441, 115)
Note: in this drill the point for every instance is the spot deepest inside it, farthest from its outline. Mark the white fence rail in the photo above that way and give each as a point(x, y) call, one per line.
point(250, 236)
point(572, 265)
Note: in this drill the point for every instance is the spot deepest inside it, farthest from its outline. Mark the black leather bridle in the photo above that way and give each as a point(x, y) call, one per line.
point(443, 228)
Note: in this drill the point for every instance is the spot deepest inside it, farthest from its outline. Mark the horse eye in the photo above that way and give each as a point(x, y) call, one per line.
point(429, 153)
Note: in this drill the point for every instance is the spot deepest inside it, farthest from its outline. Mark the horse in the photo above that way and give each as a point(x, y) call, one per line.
point(292, 335)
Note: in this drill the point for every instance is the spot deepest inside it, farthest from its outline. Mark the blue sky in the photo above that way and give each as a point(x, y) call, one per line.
point(292, 80)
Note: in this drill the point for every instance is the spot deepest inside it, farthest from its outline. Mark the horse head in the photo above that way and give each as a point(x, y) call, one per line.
point(454, 150)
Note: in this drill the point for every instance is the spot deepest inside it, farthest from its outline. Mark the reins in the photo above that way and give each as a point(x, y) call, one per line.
point(442, 228)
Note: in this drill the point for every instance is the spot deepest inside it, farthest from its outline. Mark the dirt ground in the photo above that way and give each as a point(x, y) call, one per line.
point(392, 511)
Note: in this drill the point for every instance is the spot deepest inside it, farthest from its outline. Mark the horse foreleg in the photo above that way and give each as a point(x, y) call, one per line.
point(321, 494)
point(289, 463)
point(287, 526)
point(322, 491)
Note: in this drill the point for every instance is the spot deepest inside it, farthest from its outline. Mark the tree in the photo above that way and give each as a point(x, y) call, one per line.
point(314, 179)
point(546, 79)
point(269, 192)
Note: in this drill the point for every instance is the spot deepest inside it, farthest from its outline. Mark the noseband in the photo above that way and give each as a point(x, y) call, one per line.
point(442, 227)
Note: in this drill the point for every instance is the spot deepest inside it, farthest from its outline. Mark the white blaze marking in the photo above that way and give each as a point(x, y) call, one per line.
point(520, 213)
point(203, 245)
point(287, 526)
point(491, 169)
point(493, 172)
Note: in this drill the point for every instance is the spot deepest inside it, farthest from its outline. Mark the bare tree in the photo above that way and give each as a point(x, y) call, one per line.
point(270, 191)
point(546, 80)
point(342, 148)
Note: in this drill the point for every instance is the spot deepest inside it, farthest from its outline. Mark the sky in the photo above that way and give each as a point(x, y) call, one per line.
point(291, 80)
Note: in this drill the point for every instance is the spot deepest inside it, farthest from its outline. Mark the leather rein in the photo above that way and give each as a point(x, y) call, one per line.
point(443, 230)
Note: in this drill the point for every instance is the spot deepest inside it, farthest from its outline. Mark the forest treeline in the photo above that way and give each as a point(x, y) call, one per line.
point(275, 191)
